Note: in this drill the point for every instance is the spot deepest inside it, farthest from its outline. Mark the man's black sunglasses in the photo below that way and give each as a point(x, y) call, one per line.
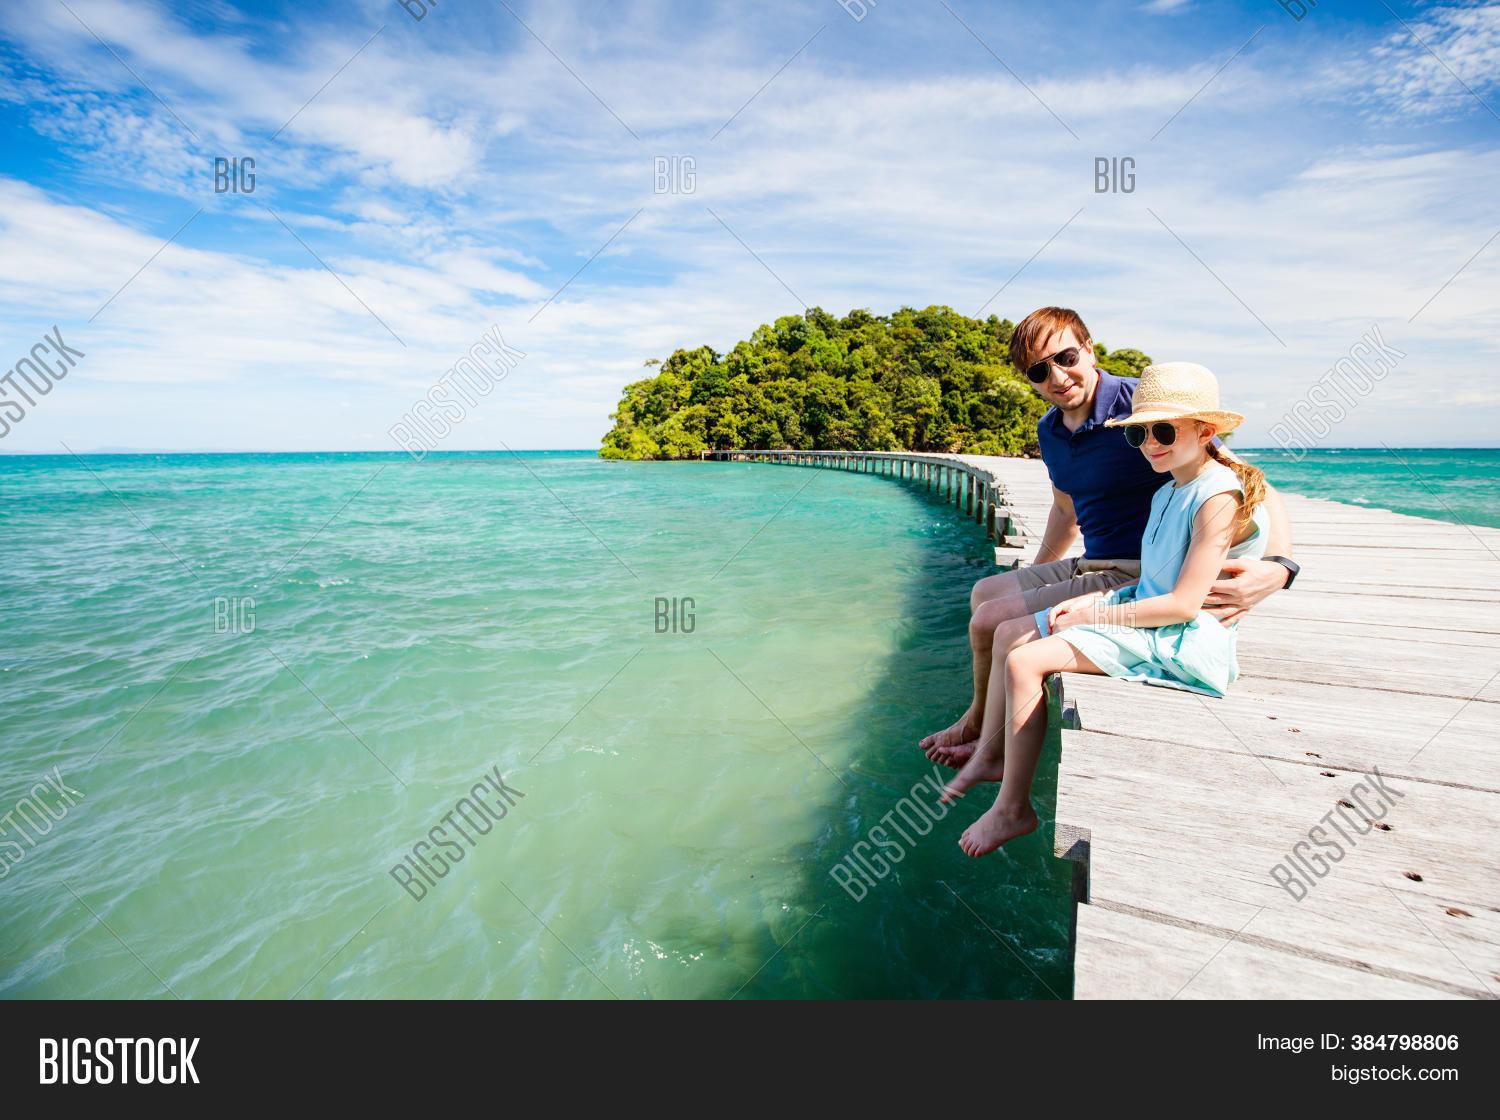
point(1164, 433)
point(1068, 358)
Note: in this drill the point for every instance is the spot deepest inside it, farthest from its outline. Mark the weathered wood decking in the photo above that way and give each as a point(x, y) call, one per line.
point(1381, 666)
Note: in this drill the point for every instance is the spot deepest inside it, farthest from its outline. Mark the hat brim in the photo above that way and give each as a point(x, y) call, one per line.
point(1223, 421)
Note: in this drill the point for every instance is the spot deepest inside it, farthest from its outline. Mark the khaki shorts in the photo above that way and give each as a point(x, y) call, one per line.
point(1046, 585)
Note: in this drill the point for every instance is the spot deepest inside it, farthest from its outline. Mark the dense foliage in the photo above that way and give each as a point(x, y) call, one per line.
point(930, 380)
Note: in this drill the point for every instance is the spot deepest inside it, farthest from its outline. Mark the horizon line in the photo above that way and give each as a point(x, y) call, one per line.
point(592, 450)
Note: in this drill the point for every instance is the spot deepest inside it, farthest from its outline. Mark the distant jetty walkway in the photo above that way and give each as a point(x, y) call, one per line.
point(1331, 829)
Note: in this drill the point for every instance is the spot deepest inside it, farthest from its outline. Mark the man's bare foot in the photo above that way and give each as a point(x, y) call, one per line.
point(996, 827)
point(966, 729)
point(953, 757)
point(986, 764)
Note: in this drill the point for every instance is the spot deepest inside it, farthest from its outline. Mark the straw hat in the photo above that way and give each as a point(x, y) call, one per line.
point(1178, 391)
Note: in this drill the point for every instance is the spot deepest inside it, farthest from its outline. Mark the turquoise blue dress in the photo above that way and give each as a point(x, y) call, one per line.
point(1196, 656)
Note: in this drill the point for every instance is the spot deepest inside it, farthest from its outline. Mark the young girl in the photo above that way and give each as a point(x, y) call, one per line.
point(1154, 630)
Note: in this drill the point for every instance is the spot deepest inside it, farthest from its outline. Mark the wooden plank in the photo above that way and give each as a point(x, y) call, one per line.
point(1193, 835)
point(1443, 671)
point(1354, 644)
point(1123, 956)
point(1304, 730)
point(1303, 634)
point(1360, 702)
point(1401, 585)
point(1421, 616)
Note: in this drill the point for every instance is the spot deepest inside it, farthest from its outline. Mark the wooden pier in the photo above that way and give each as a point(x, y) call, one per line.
point(1330, 829)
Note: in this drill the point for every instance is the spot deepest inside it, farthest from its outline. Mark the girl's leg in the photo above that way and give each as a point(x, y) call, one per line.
point(1026, 731)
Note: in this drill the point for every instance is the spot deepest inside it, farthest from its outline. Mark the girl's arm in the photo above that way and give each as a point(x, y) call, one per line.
point(1213, 531)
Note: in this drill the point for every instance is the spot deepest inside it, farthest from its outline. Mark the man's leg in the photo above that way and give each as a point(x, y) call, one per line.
point(990, 641)
point(1041, 586)
point(987, 761)
point(1000, 586)
point(994, 600)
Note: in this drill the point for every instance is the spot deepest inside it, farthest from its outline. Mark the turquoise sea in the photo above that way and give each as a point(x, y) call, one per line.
point(1449, 484)
point(251, 685)
point(680, 798)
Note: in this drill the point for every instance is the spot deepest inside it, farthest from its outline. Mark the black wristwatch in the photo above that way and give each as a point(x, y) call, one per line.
point(1290, 565)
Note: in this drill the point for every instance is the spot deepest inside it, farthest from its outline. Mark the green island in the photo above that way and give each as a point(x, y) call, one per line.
point(931, 380)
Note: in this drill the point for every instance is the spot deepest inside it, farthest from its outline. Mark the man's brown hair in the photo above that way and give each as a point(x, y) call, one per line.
point(1039, 326)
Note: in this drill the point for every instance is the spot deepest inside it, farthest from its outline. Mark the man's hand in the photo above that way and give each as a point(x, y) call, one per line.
point(1241, 585)
point(1072, 611)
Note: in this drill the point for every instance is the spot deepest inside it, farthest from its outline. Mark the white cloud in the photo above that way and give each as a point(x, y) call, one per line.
point(1443, 63)
point(452, 205)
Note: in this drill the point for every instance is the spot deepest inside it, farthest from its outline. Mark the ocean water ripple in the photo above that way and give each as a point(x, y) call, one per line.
point(685, 776)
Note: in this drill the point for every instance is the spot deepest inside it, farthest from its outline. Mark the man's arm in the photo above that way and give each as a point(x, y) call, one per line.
point(1061, 531)
point(1279, 529)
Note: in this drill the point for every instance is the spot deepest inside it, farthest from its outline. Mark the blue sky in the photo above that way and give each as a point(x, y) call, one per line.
point(1298, 183)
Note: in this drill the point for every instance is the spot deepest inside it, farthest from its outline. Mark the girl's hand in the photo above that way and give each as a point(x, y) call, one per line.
point(1071, 612)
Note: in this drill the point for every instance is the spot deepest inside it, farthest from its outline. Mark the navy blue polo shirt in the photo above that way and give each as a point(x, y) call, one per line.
point(1110, 482)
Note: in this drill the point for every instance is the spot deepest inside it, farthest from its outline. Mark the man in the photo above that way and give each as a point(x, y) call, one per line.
point(1102, 487)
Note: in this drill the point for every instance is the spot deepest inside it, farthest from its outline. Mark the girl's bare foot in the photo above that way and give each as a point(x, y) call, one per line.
point(963, 731)
point(996, 827)
point(953, 757)
point(986, 764)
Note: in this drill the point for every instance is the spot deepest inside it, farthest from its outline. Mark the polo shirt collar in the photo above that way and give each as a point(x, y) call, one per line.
point(1106, 398)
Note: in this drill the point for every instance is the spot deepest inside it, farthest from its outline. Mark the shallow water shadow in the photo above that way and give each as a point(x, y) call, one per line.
point(920, 919)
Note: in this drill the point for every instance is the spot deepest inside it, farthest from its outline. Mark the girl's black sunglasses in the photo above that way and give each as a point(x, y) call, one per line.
point(1164, 433)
